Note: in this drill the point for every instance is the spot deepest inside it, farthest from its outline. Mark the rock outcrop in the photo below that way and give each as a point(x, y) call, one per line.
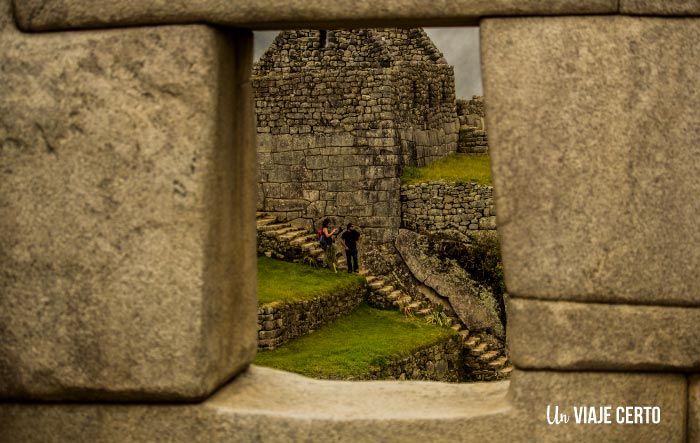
point(474, 304)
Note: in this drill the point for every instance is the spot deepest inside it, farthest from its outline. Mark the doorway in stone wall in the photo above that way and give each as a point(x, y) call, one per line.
point(380, 132)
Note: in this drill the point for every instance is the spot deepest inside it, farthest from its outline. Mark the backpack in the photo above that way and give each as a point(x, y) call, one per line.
point(322, 240)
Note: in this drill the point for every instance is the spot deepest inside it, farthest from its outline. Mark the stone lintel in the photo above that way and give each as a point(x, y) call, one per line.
point(46, 15)
point(594, 336)
point(273, 406)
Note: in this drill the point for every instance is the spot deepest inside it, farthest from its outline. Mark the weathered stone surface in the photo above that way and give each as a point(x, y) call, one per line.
point(126, 238)
point(595, 192)
point(660, 7)
point(293, 319)
point(592, 336)
point(273, 406)
point(532, 391)
point(441, 361)
point(7, 23)
point(447, 206)
point(474, 304)
point(65, 14)
point(694, 409)
point(333, 104)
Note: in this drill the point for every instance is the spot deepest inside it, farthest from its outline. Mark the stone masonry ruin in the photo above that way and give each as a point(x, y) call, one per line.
point(472, 126)
point(120, 291)
point(340, 113)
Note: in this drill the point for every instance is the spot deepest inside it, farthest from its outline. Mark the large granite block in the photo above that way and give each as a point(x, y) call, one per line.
point(594, 146)
point(272, 14)
point(535, 396)
point(660, 7)
point(127, 235)
point(277, 407)
point(595, 336)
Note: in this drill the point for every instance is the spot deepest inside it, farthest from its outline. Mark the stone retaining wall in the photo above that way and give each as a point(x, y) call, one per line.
point(472, 129)
point(437, 206)
point(472, 140)
point(282, 322)
point(439, 362)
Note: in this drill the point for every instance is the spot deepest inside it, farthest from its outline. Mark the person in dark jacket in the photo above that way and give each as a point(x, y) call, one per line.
point(349, 240)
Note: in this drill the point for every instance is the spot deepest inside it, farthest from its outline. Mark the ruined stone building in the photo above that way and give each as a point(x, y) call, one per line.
point(127, 306)
point(340, 114)
point(472, 129)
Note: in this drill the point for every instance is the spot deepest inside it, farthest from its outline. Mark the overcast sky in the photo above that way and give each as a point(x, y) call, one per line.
point(459, 45)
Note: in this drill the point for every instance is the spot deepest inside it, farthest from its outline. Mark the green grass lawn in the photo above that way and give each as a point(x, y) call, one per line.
point(456, 168)
point(280, 281)
point(352, 345)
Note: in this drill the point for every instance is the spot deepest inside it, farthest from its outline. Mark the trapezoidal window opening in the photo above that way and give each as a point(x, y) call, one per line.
point(338, 131)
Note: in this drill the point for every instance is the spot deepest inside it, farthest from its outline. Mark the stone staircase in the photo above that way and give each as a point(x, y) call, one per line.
point(482, 362)
point(284, 241)
point(387, 296)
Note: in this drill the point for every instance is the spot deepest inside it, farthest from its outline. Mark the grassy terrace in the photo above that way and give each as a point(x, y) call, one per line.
point(352, 345)
point(280, 281)
point(455, 168)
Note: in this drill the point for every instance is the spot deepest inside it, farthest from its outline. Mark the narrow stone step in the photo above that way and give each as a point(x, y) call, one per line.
point(479, 349)
point(279, 232)
point(303, 239)
point(309, 246)
point(292, 235)
point(472, 342)
point(394, 296)
point(368, 278)
point(425, 312)
point(416, 305)
point(265, 221)
point(505, 371)
point(376, 285)
point(456, 327)
point(405, 300)
point(385, 290)
point(274, 227)
point(488, 356)
point(499, 362)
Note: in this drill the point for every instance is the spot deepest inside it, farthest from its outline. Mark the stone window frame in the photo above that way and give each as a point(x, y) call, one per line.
point(446, 16)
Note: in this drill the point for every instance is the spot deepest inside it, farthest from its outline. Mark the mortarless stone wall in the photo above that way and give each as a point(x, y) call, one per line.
point(472, 129)
point(439, 362)
point(558, 237)
point(282, 322)
point(340, 113)
point(438, 206)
